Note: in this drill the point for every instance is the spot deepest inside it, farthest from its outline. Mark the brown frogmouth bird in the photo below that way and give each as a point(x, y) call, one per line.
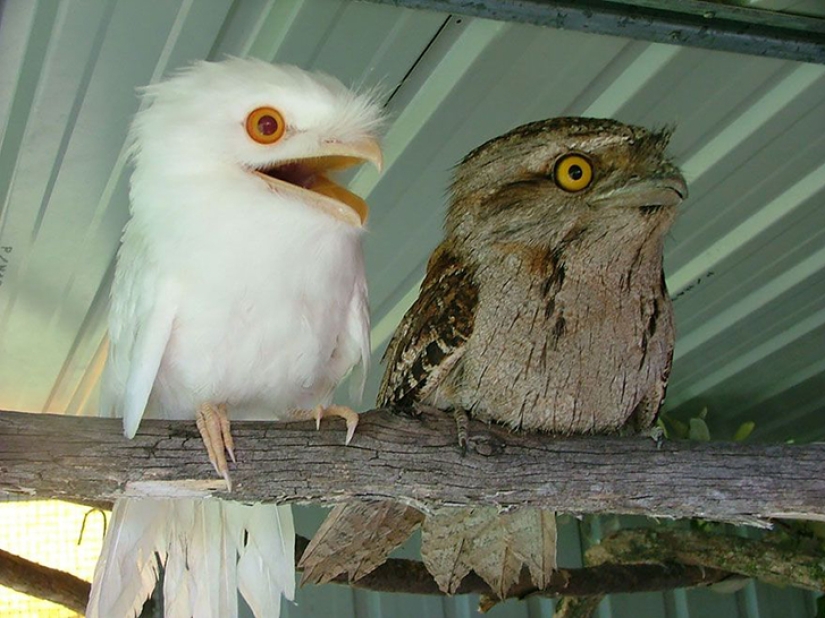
point(544, 309)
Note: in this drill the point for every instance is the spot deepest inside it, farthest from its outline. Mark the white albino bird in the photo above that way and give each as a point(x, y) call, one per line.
point(239, 291)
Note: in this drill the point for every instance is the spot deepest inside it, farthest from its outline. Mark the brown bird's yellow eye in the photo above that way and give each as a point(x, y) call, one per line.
point(573, 173)
point(265, 125)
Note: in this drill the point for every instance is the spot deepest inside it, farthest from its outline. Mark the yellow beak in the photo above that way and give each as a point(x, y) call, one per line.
point(318, 190)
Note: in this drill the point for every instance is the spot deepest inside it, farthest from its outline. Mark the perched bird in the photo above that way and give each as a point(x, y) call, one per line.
point(239, 292)
point(545, 309)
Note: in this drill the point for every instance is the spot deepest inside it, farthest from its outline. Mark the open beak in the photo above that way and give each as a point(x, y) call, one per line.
point(309, 178)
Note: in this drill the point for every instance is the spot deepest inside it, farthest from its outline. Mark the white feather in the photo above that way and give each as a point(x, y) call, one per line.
point(127, 560)
point(226, 292)
point(266, 569)
point(210, 550)
point(177, 590)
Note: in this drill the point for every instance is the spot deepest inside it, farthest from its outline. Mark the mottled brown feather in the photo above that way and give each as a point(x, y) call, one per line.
point(429, 341)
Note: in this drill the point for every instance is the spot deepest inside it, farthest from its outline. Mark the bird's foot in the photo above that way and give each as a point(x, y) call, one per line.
point(655, 433)
point(348, 414)
point(462, 420)
point(213, 424)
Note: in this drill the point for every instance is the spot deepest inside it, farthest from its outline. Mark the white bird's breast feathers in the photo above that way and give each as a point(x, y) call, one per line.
point(264, 299)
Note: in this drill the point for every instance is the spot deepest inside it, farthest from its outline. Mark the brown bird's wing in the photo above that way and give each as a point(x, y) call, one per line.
point(430, 339)
point(357, 537)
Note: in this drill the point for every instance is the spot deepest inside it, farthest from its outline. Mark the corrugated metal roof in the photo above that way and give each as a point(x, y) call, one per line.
point(745, 262)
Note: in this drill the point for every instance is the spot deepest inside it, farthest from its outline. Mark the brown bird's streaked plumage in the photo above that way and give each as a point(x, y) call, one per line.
point(545, 309)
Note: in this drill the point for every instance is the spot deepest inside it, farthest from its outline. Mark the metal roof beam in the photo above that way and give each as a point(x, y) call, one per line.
point(694, 23)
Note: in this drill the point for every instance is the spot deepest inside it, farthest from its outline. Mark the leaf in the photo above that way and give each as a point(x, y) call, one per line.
point(699, 430)
point(817, 529)
point(677, 427)
point(745, 429)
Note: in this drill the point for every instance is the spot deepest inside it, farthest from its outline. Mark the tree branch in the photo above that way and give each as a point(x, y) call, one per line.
point(778, 559)
point(774, 559)
point(43, 582)
point(411, 576)
point(398, 575)
point(416, 461)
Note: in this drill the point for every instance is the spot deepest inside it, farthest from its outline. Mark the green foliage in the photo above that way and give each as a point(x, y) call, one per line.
point(745, 429)
point(804, 531)
point(697, 428)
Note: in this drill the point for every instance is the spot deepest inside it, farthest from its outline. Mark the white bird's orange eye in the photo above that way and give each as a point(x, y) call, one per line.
point(573, 173)
point(265, 125)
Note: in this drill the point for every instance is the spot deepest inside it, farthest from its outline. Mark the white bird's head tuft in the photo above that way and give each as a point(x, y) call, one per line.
point(282, 126)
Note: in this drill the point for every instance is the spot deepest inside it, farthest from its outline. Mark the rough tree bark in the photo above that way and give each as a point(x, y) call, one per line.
point(416, 461)
point(88, 460)
point(775, 559)
point(779, 558)
point(43, 582)
point(399, 575)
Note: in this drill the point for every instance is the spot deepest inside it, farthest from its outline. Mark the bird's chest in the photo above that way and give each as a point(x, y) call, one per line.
point(564, 350)
point(257, 324)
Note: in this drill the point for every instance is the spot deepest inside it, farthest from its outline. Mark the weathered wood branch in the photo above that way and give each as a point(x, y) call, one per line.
point(774, 559)
point(43, 582)
point(411, 576)
point(399, 575)
point(778, 559)
point(416, 461)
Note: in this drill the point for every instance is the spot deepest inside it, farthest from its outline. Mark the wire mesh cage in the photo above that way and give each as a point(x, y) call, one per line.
point(56, 534)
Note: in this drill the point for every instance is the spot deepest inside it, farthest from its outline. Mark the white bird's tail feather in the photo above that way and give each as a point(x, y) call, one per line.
point(211, 549)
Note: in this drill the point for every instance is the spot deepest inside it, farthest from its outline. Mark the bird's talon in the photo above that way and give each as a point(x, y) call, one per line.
point(461, 424)
point(351, 425)
point(228, 442)
point(350, 416)
point(213, 425)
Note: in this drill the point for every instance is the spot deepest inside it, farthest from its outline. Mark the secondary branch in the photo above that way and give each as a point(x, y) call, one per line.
point(399, 575)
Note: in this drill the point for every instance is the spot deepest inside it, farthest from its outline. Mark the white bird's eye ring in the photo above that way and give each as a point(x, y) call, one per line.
point(573, 173)
point(265, 125)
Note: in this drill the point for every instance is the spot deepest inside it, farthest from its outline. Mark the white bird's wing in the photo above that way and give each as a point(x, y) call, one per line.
point(358, 334)
point(352, 347)
point(140, 324)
